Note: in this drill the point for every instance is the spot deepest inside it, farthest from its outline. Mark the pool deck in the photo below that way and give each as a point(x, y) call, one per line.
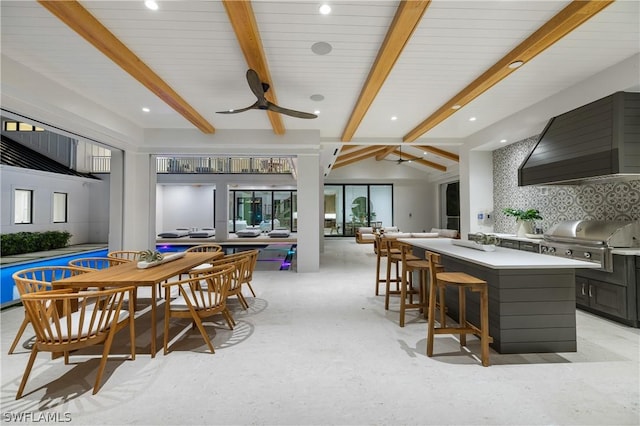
point(65, 251)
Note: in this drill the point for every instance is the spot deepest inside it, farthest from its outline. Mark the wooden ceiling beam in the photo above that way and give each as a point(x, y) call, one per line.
point(244, 24)
point(358, 153)
point(382, 154)
point(439, 152)
point(86, 25)
point(406, 20)
point(337, 165)
point(565, 21)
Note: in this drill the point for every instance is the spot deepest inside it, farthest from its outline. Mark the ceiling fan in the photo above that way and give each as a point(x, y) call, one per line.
point(259, 89)
point(401, 160)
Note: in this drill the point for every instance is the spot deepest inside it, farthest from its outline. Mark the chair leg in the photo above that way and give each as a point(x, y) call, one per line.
point(228, 318)
point(484, 324)
point(388, 285)
point(443, 306)
point(203, 332)
point(378, 274)
point(23, 326)
point(167, 316)
point(403, 297)
point(462, 314)
point(103, 361)
point(251, 289)
point(243, 301)
point(431, 317)
point(27, 371)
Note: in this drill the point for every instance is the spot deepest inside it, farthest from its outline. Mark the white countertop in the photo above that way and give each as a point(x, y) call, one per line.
point(501, 258)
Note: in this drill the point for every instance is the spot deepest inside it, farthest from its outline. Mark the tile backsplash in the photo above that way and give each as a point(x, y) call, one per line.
point(601, 201)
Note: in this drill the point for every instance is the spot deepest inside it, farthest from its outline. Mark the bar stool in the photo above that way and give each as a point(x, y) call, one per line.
point(411, 264)
point(439, 281)
point(380, 247)
point(394, 257)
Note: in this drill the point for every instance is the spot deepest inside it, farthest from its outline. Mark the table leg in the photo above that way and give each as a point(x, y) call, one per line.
point(153, 321)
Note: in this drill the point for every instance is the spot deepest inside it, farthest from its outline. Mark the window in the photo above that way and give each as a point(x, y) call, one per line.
point(59, 207)
point(16, 126)
point(23, 206)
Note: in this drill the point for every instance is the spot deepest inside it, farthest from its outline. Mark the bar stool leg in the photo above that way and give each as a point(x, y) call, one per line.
point(431, 317)
point(403, 296)
point(484, 324)
point(462, 315)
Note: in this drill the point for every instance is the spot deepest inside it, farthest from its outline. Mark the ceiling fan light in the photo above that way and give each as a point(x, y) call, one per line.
point(325, 9)
point(151, 4)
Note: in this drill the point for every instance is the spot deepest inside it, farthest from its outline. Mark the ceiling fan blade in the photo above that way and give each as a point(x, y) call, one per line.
point(297, 114)
point(235, 111)
point(255, 84)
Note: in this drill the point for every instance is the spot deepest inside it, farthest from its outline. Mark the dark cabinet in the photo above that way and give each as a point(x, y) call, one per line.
point(601, 296)
point(613, 295)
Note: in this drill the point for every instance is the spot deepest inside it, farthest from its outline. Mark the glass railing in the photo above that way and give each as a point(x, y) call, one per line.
point(227, 165)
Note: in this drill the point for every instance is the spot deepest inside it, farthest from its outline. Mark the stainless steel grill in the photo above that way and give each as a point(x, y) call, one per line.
point(590, 240)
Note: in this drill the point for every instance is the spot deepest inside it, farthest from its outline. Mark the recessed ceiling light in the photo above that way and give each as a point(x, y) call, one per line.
point(394, 118)
point(472, 119)
point(425, 153)
point(151, 4)
point(325, 9)
point(145, 109)
point(316, 112)
point(321, 48)
point(456, 107)
point(515, 64)
point(503, 140)
point(317, 97)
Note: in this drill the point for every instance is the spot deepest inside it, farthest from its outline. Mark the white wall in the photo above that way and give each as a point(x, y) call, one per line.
point(184, 206)
point(87, 204)
point(413, 193)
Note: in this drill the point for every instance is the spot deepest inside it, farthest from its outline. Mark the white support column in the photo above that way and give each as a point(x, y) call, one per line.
point(139, 202)
point(116, 200)
point(309, 184)
point(476, 191)
point(222, 209)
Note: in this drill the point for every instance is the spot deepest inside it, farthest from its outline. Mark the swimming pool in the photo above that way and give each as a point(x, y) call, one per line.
point(272, 257)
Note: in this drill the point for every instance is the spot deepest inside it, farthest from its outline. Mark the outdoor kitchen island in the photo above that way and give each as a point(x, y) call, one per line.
point(532, 301)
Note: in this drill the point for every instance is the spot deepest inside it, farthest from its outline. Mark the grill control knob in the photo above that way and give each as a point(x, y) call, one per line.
point(587, 255)
point(568, 252)
point(544, 249)
point(552, 249)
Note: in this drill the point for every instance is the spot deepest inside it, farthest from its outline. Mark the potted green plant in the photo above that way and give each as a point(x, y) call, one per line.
point(524, 219)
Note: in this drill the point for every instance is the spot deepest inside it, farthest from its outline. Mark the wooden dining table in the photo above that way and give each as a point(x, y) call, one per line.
point(127, 274)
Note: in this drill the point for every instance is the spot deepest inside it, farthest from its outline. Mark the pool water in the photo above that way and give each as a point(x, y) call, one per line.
point(272, 257)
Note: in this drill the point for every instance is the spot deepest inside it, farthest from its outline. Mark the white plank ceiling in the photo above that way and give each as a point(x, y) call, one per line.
point(192, 47)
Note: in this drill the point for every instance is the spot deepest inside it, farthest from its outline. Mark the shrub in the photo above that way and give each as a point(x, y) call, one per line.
point(28, 242)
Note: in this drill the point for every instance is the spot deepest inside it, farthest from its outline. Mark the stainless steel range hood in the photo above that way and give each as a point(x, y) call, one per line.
point(599, 141)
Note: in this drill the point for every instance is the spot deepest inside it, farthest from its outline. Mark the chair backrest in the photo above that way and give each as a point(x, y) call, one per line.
point(252, 256)
point(241, 264)
point(130, 255)
point(65, 320)
point(38, 279)
point(206, 289)
point(209, 248)
point(95, 263)
point(435, 265)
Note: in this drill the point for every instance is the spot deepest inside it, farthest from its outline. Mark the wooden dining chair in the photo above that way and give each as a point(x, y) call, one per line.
point(211, 247)
point(129, 255)
point(202, 295)
point(96, 263)
point(65, 320)
point(241, 264)
point(37, 279)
